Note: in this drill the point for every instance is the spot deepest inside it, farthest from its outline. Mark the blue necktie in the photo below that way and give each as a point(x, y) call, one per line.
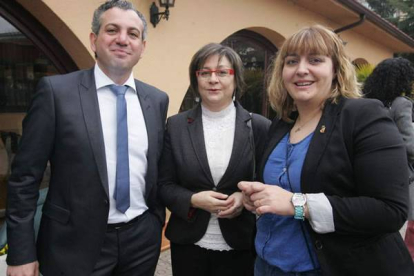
point(121, 194)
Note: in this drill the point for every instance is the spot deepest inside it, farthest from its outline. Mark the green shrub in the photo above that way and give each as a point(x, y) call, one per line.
point(363, 71)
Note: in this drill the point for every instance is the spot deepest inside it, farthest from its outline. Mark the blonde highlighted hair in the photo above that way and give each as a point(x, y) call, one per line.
point(317, 40)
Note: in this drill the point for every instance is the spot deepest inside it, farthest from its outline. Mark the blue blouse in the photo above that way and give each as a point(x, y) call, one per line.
point(280, 240)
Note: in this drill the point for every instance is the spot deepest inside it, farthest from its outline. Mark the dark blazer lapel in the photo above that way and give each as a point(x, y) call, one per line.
point(277, 131)
point(92, 117)
point(152, 132)
point(147, 111)
point(240, 142)
point(195, 130)
point(319, 143)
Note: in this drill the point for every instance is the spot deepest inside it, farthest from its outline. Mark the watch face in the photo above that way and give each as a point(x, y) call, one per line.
point(298, 199)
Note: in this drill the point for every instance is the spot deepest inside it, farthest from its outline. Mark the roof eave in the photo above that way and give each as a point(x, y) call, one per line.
point(379, 21)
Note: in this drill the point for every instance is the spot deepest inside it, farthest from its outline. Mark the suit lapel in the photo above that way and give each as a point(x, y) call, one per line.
point(152, 130)
point(319, 142)
point(240, 142)
point(195, 130)
point(92, 117)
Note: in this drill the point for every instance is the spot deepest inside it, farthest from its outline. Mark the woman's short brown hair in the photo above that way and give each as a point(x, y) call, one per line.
point(320, 40)
point(199, 58)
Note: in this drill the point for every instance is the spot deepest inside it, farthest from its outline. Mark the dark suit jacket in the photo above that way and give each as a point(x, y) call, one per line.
point(184, 171)
point(358, 160)
point(63, 126)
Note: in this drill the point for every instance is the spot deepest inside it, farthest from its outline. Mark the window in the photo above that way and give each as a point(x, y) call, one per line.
point(21, 67)
point(22, 64)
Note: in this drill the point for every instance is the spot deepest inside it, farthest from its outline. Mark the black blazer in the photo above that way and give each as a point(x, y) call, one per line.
point(184, 171)
point(63, 126)
point(358, 160)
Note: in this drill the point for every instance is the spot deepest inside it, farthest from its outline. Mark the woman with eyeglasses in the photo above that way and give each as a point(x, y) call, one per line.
point(334, 168)
point(207, 151)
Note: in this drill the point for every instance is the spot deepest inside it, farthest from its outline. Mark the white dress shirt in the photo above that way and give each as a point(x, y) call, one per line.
point(320, 213)
point(137, 145)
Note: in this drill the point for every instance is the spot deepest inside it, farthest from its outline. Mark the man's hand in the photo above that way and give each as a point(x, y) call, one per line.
point(30, 269)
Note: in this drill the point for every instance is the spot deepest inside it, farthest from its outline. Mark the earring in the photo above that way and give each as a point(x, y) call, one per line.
point(197, 99)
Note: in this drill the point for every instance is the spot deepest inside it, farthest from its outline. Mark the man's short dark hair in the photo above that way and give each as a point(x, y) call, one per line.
point(120, 4)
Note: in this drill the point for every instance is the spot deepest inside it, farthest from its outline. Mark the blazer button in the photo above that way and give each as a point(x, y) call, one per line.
point(318, 245)
point(214, 189)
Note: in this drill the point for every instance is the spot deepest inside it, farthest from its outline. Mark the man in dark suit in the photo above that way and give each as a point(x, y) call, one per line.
point(102, 132)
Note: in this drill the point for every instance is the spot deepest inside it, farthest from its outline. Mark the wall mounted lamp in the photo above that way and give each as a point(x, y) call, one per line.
point(156, 16)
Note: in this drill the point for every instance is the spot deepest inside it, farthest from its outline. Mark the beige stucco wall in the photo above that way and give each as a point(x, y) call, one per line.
point(11, 122)
point(192, 24)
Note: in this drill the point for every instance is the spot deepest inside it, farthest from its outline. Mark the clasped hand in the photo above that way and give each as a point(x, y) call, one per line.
point(262, 198)
point(217, 203)
point(30, 269)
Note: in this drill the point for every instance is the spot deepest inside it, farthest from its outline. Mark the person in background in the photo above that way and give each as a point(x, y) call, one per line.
point(390, 81)
point(336, 191)
point(207, 151)
point(102, 131)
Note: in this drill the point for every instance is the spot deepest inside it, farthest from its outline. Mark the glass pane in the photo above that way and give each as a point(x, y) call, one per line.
point(21, 67)
point(22, 64)
point(256, 59)
point(253, 58)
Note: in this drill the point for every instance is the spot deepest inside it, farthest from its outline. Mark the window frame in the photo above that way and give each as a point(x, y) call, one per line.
point(29, 26)
point(270, 51)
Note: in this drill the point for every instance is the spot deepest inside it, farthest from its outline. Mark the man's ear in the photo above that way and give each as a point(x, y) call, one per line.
point(144, 45)
point(92, 40)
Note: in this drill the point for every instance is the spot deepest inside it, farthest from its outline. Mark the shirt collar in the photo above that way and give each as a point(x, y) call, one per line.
point(102, 80)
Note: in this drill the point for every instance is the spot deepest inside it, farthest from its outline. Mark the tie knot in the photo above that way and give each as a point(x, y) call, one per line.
point(118, 89)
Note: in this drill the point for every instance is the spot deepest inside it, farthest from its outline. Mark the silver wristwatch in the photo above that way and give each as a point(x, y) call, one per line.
point(299, 200)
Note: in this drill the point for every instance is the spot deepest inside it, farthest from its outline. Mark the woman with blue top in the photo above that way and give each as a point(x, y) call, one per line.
point(334, 165)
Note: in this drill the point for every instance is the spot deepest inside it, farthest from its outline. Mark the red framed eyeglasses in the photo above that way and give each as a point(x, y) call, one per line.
point(220, 73)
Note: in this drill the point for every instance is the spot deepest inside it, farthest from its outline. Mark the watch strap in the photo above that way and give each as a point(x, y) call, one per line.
point(299, 200)
point(299, 212)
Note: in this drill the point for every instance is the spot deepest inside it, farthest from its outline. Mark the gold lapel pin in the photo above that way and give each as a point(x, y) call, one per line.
point(323, 128)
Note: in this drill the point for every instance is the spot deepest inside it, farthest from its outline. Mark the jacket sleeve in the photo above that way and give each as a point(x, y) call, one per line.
point(156, 206)
point(28, 166)
point(378, 202)
point(402, 110)
point(175, 197)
